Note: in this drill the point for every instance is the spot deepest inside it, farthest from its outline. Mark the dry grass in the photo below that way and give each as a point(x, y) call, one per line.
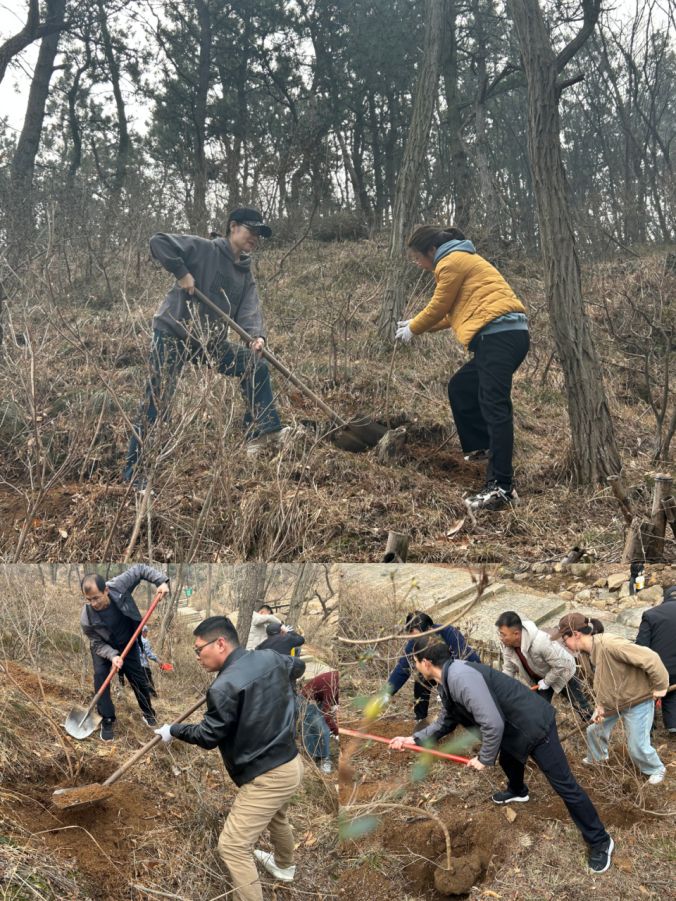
point(74, 371)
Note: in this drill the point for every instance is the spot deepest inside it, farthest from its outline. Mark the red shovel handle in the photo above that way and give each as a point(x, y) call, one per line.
point(408, 746)
point(109, 678)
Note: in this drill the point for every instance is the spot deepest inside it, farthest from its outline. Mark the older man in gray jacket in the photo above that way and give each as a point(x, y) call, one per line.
point(109, 619)
point(185, 331)
point(529, 655)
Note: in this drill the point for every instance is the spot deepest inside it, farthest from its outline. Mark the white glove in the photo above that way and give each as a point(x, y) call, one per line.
point(542, 685)
point(165, 732)
point(403, 332)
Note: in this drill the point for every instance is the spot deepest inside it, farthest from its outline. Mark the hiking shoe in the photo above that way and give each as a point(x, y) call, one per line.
point(492, 498)
point(325, 766)
point(656, 778)
point(599, 856)
point(590, 761)
point(507, 797)
point(267, 858)
point(150, 720)
point(477, 456)
point(107, 733)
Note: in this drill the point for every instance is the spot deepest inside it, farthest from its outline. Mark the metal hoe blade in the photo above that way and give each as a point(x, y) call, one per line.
point(80, 725)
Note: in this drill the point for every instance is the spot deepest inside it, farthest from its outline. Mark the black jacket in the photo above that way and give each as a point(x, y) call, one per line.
point(658, 630)
point(509, 715)
point(120, 591)
point(283, 643)
point(250, 715)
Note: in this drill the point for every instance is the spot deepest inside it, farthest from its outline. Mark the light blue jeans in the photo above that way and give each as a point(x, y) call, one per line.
point(637, 723)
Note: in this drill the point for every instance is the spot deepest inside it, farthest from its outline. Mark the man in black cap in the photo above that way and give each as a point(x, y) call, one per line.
point(184, 330)
point(281, 639)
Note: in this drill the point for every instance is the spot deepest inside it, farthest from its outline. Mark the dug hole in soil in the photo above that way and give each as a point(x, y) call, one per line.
point(405, 855)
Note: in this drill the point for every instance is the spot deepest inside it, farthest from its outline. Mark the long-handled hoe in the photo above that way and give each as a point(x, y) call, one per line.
point(84, 795)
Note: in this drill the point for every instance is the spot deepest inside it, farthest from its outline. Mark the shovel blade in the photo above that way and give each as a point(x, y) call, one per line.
point(80, 725)
point(68, 798)
point(358, 435)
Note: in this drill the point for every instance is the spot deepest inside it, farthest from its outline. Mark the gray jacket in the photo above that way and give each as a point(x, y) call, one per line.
point(509, 715)
point(216, 272)
point(120, 590)
point(546, 657)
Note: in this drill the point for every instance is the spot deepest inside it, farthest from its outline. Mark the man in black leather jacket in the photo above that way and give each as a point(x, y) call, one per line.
point(250, 718)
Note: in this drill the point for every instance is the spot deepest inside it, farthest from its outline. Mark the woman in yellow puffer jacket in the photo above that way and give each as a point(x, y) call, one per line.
point(474, 300)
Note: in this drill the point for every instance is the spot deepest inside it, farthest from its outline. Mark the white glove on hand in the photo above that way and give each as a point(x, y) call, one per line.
point(164, 732)
point(403, 332)
point(542, 685)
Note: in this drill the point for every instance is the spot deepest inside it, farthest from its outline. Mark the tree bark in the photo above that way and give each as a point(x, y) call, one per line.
point(408, 181)
point(595, 454)
point(23, 162)
point(249, 590)
point(123, 140)
point(32, 31)
point(197, 207)
point(305, 579)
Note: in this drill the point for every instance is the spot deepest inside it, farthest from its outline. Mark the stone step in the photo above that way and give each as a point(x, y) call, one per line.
point(188, 614)
point(479, 621)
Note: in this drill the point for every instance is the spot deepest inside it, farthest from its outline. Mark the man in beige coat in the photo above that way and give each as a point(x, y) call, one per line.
point(628, 679)
point(530, 656)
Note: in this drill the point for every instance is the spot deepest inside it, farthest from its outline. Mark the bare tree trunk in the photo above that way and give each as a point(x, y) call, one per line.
point(302, 587)
point(460, 172)
point(23, 163)
point(408, 181)
point(123, 141)
point(197, 207)
point(249, 591)
point(595, 453)
point(32, 31)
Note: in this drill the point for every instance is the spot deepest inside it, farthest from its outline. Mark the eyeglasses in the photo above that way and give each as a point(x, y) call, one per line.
point(198, 650)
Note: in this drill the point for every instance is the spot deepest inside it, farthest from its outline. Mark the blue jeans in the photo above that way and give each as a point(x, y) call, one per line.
point(637, 722)
point(315, 732)
point(168, 355)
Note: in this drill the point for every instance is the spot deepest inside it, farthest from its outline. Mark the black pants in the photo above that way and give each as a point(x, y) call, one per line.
point(575, 693)
point(480, 394)
point(149, 679)
point(134, 672)
point(669, 705)
point(553, 763)
point(422, 689)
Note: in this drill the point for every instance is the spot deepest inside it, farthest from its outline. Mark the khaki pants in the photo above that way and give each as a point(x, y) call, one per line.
point(259, 804)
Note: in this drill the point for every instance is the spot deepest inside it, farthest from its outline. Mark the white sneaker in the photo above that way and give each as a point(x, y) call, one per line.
point(267, 858)
point(656, 778)
point(590, 761)
point(325, 766)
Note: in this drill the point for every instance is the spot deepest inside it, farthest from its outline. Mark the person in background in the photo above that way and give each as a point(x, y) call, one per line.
point(658, 632)
point(259, 620)
point(323, 689)
point(418, 622)
point(627, 680)
point(282, 639)
point(474, 300)
point(529, 655)
point(147, 654)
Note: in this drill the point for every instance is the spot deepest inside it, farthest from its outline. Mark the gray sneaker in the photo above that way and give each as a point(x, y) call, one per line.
point(599, 856)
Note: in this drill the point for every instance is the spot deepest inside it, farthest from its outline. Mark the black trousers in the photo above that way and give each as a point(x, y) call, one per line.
point(149, 678)
point(422, 689)
point(669, 705)
point(480, 394)
point(575, 693)
point(134, 672)
point(553, 763)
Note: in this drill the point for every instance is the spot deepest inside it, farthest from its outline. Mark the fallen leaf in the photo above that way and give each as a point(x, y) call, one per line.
point(63, 533)
point(455, 528)
point(510, 815)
